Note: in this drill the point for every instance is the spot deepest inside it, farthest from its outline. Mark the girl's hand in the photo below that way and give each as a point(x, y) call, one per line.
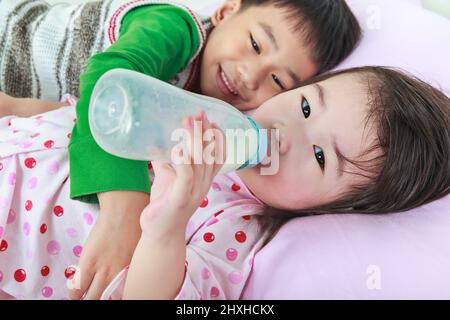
point(177, 193)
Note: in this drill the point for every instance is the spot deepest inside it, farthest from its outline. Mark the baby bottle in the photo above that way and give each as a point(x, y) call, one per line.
point(134, 116)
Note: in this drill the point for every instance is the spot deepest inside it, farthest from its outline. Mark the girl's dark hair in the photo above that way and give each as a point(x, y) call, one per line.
point(412, 162)
point(330, 27)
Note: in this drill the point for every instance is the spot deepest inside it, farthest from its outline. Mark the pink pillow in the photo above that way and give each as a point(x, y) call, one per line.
point(399, 256)
point(404, 35)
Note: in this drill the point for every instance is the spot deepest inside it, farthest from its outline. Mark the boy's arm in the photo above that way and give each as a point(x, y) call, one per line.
point(111, 242)
point(159, 45)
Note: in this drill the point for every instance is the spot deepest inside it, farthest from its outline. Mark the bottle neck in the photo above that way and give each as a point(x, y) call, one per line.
point(262, 145)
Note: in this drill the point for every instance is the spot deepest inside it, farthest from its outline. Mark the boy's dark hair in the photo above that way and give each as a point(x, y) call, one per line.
point(412, 120)
point(330, 27)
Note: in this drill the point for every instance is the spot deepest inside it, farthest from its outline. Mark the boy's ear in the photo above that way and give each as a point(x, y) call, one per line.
point(226, 9)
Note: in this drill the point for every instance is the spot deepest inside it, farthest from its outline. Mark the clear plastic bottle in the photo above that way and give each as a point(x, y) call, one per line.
point(132, 115)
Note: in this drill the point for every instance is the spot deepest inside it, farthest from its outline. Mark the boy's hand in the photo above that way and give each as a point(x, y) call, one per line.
point(111, 242)
point(177, 193)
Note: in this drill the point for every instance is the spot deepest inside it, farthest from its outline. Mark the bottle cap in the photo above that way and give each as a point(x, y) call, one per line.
point(262, 143)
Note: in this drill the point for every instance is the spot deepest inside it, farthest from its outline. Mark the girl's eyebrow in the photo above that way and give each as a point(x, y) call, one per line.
point(293, 76)
point(340, 158)
point(321, 93)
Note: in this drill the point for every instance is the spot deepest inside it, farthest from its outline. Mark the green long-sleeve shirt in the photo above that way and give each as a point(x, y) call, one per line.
point(157, 40)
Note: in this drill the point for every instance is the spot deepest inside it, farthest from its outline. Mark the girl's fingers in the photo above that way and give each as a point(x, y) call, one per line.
point(161, 168)
point(219, 149)
point(184, 181)
point(185, 174)
point(202, 170)
point(211, 157)
point(187, 143)
point(216, 141)
point(184, 170)
point(96, 288)
point(82, 279)
point(197, 146)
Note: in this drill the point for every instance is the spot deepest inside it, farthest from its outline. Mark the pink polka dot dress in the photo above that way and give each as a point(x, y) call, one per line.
point(42, 231)
point(222, 238)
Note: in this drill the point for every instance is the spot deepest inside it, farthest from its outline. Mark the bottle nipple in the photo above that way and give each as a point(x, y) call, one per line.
point(261, 144)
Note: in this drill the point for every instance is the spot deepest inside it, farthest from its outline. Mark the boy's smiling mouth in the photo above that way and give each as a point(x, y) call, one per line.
point(225, 85)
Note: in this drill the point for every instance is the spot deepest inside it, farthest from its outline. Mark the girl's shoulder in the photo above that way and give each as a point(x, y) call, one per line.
point(228, 205)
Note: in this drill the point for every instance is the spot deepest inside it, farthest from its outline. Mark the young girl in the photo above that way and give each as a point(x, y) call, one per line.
point(245, 53)
point(367, 140)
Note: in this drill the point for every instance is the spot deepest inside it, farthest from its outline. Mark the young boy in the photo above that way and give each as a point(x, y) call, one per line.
point(247, 52)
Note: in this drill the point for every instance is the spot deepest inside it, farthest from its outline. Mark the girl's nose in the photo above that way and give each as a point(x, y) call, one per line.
point(282, 136)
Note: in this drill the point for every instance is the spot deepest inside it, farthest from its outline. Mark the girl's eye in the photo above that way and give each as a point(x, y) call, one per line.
point(278, 82)
point(254, 45)
point(306, 109)
point(318, 152)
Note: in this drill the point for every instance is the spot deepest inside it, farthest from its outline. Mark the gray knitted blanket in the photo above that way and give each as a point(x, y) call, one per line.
point(44, 48)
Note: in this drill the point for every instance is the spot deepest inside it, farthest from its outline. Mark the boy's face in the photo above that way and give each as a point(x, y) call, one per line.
point(252, 55)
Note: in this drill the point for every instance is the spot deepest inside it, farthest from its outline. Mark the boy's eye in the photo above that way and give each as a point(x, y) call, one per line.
point(278, 82)
point(306, 109)
point(254, 45)
point(318, 152)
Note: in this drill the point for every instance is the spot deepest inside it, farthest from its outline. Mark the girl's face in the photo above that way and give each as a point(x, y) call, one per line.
point(315, 123)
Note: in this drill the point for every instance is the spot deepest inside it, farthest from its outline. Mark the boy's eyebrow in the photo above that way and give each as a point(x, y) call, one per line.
point(268, 30)
point(337, 151)
point(293, 76)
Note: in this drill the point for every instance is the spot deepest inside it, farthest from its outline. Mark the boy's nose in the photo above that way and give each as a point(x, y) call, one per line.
point(249, 76)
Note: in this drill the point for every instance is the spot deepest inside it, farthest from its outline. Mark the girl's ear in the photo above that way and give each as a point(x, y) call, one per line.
point(226, 9)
